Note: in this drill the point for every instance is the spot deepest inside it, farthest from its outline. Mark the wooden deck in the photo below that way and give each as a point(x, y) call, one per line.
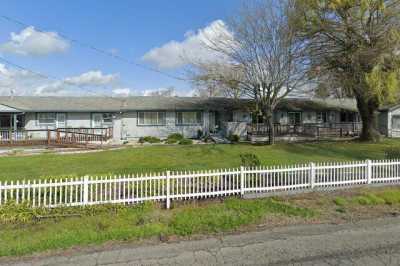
point(56, 137)
point(320, 130)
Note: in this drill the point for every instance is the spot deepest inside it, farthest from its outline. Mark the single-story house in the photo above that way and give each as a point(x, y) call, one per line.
point(134, 117)
point(389, 121)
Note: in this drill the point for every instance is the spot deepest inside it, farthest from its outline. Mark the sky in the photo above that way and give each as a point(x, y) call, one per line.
point(51, 38)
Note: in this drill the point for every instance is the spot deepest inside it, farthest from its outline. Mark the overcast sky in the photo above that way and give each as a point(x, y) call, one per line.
point(153, 33)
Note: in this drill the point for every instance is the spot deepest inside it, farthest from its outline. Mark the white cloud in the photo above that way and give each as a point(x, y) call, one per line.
point(32, 42)
point(124, 92)
point(56, 88)
point(176, 54)
point(92, 78)
point(21, 82)
point(165, 92)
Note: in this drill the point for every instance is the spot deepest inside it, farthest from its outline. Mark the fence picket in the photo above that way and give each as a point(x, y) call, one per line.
point(183, 185)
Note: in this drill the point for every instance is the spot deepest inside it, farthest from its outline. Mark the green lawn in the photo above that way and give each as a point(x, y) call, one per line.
point(22, 233)
point(159, 158)
point(24, 230)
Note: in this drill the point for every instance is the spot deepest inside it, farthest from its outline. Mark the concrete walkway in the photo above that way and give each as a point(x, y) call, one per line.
point(373, 242)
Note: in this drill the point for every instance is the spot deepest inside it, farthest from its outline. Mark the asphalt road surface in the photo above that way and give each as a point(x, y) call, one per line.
point(372, 242)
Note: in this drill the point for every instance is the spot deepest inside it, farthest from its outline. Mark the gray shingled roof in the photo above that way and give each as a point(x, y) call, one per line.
point(111, 104)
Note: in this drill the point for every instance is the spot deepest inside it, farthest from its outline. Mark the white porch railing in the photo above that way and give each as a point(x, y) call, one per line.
point(183, 185)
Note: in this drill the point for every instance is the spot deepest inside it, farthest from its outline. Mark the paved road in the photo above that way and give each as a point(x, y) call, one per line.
point(374, 242)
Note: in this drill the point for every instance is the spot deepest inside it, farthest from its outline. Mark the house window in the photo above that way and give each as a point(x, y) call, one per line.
point(107, 118)
point(102, 119)
point(46, 118)
point(396, 122)
point(322, 117)
point(188, 118)
point(151, 118)
point(294, 118)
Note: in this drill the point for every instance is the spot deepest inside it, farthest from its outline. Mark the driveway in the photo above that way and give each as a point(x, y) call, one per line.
point(372, 242)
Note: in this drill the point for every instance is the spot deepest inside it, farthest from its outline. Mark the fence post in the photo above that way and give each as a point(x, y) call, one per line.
point(48, 137)
point(168, 199)
point(242, 183)
point(85, 190)
point(312, 175)
point(369, 172)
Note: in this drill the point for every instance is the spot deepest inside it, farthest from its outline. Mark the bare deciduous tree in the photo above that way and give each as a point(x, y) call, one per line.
point(260, 56)
point(213, 79)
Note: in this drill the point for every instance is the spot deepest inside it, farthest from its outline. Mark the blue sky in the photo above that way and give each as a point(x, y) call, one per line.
point(131, 29)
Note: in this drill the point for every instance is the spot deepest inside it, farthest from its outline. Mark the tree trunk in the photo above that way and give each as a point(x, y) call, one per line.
point(268, 120)
point(367, 109)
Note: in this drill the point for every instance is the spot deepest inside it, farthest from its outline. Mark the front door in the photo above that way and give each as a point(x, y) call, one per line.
point(97, 120)
point(294, 118)
point(61, 120)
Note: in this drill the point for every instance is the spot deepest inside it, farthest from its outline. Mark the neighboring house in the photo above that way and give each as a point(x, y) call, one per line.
point(135, 117)
point(389, 121)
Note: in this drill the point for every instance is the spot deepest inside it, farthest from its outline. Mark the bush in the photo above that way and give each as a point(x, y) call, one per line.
point(200, 134)
point(340, 201)
point(234, 138)
point(392, 153)
point(185, 142)
point(174, 138)
point(250, 160)
point(149, 139)
point(369, 199)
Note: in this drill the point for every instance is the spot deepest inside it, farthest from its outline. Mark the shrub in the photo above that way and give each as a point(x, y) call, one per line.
point(392, 153)
point(149, 139)
point(171, 141)
point(234, 138)
point(369, 199)
point(250, 160)
point(390, 196)
point(340, 201)
point(200, 134)
point(174, 138)
point(185, 142)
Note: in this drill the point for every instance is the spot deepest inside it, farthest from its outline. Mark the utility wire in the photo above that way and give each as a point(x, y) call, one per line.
point(48, 77)
point(96, 49)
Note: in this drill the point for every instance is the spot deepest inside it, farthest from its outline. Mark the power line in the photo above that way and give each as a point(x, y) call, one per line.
point(96, 49)
point(48, 77)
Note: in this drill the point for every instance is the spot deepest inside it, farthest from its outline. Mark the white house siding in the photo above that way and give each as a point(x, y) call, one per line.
point(78, 120)
point(131, 130)
point(393, 128)
point(117, 127)
point(73, 120)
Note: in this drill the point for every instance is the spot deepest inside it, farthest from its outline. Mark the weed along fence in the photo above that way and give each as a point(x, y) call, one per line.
point(183, 185)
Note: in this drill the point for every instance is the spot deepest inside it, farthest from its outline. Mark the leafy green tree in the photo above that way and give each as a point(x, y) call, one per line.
point(353, 47)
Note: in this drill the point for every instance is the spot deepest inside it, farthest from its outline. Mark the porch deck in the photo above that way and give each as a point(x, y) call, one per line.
point(57, 137)
point(311, 130)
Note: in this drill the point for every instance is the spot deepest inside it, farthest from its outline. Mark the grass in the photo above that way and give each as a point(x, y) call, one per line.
point(160, 158)
point(96, 225)
point(25, 231)
point(369, 197)
point(340, 201)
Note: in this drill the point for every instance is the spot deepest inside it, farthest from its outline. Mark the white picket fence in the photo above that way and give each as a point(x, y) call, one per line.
point(183, 185)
